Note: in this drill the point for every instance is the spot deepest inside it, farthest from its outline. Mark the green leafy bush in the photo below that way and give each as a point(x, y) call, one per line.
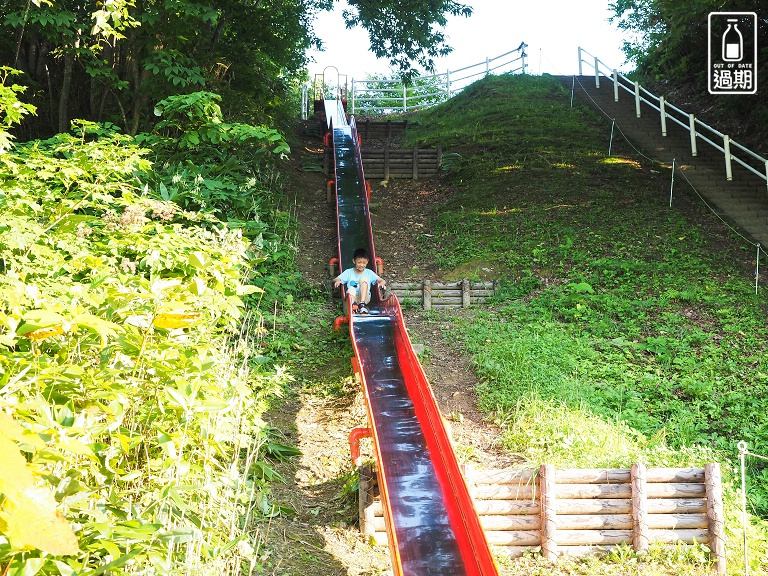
point(129, 398)
point(12, 110)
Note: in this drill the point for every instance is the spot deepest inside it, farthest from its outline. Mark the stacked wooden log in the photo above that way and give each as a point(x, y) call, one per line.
point(386, 163)
point(438, 296)
point(380, 130)
point(381, 161)
point(578, 512)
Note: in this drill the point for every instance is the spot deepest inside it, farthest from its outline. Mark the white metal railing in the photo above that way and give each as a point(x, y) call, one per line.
point(697, 129)
point(387, 96)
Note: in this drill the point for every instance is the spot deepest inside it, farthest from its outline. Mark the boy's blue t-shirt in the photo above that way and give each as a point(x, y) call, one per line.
point(351, 278)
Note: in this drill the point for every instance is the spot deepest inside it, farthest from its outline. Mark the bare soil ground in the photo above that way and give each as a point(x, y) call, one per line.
point(322, 537)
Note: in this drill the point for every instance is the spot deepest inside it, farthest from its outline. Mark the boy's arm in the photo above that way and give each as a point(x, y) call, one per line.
point(379, 280)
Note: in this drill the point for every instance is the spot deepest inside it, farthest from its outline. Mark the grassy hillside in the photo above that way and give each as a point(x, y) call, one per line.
point(625, 330)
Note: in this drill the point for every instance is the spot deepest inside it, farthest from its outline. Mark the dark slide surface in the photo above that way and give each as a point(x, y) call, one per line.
point(431, 523)
point(352, 212)
point(426, 541)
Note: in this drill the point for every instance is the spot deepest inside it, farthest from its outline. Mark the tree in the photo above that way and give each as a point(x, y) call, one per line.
point(669, 44)
point(405, 30)
point(666, 36)
point(112, 60)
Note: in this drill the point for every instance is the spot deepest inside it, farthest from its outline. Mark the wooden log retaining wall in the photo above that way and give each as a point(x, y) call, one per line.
point(386, 163)
point(380, 130)
point(437, 295)
point(579, 512)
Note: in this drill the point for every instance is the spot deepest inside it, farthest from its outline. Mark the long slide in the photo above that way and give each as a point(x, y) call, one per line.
point(432, 526)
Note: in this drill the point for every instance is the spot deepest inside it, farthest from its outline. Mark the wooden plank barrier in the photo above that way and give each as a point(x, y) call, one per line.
point(438, 296)
point(386, 163)
point(577, 512)
point(380, 130)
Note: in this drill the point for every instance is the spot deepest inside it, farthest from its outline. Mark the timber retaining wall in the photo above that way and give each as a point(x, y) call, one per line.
point(577, 512)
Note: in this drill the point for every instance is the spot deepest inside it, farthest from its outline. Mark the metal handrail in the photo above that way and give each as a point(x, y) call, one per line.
point(697, 129)
point(446, 85)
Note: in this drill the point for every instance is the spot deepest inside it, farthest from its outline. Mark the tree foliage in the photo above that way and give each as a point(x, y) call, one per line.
point(665, 35)
point(405, 31)
point(668, 42)
point(383, 94)
point(113, 61)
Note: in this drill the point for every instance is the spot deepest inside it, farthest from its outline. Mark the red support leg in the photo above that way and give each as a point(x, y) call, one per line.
point(339, 321)
point(355, 436)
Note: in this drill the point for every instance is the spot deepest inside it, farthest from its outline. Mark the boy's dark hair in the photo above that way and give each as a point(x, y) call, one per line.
point(360, 253)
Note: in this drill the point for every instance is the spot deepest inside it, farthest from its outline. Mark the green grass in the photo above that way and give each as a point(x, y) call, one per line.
point(304, 341)
point(623, 330)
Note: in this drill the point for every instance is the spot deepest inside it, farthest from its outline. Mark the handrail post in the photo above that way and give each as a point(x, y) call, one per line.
point(597, 73)
point(548, 511)
point(637, 98)
point(615, 86)
point(663, 111)
point(487, 66)
point(766, 172)
point(692, 123)
point(581, 73)
point(353, 96)
point(405, 99)
point(522, 57)
point(727, 148)
point(448, 82)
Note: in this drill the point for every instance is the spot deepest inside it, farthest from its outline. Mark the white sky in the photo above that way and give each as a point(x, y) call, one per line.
point(553, 30)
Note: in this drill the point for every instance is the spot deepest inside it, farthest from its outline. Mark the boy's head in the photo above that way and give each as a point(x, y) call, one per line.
point(360, 253)
point(360, 259)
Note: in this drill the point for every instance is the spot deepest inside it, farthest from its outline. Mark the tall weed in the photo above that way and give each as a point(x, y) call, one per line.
point(130, 397)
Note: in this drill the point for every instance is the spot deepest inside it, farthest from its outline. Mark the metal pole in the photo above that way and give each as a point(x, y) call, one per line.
point(615, 86)
point(581, 73)
point(610, 143)
point(672, 185)
point(597, 73)
point(757, 267)
point(405, 99)
point(637, 99)
point(692, 125)
point(663, 109)
point(487, 66)
point(742, 452)
point(727, 149)
point(353, 95)
point(448, 81)
point(573, 88)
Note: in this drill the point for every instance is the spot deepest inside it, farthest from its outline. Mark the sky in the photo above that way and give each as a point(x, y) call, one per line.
point(553, 30)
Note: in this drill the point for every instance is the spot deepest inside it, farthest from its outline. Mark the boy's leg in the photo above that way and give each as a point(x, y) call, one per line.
point(362, 294)
point(355, 295)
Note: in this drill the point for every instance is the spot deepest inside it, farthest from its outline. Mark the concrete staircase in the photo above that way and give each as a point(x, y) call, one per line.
point(742, 202)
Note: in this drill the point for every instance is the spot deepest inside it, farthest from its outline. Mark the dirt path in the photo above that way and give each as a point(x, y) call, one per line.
point(322, 538)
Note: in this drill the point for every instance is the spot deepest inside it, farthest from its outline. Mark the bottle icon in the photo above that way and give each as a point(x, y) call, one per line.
point(733, 42)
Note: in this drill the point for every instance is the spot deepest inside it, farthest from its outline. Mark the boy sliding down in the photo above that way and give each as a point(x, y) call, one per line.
point(359, 280)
